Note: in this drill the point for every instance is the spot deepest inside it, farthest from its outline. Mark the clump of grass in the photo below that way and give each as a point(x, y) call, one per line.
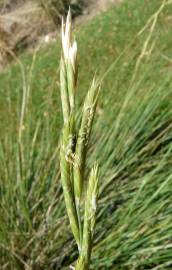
point(74, 146)
point(56, 8)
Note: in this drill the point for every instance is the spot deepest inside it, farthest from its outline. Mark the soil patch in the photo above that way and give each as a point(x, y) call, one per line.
point(24, 25)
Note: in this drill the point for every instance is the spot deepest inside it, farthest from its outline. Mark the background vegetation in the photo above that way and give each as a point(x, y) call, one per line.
point(131, 140)
point(59, 6)
point(56, 8)
point(24, 23)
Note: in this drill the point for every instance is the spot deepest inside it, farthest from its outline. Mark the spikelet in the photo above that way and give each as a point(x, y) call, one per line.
point(89, 220)
point(66, 152)
point(84, 136)
point(69, 49)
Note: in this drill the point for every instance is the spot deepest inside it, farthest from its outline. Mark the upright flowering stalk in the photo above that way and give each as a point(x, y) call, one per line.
point(67, 78)
point(73, 150)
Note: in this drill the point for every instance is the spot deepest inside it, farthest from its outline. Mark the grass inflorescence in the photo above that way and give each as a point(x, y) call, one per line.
point(73, 150)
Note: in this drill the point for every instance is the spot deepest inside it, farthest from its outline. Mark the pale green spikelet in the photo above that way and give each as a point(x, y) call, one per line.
point(84, 136)
point(89, 220)
point(66, 155)
point(90, 209)
point(70, 59)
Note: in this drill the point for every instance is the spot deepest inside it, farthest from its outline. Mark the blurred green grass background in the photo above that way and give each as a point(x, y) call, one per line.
point(131, 140)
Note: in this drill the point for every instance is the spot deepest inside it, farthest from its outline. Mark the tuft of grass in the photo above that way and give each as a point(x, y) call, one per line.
point(56, 8)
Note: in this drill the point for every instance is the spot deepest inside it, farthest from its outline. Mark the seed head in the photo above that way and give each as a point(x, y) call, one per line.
point(69, 47)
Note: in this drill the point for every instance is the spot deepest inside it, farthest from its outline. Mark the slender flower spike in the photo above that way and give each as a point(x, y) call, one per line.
point(88, 113)
point(66, 35)
point(89, 220)
point(69, 48)
point(73, 150)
